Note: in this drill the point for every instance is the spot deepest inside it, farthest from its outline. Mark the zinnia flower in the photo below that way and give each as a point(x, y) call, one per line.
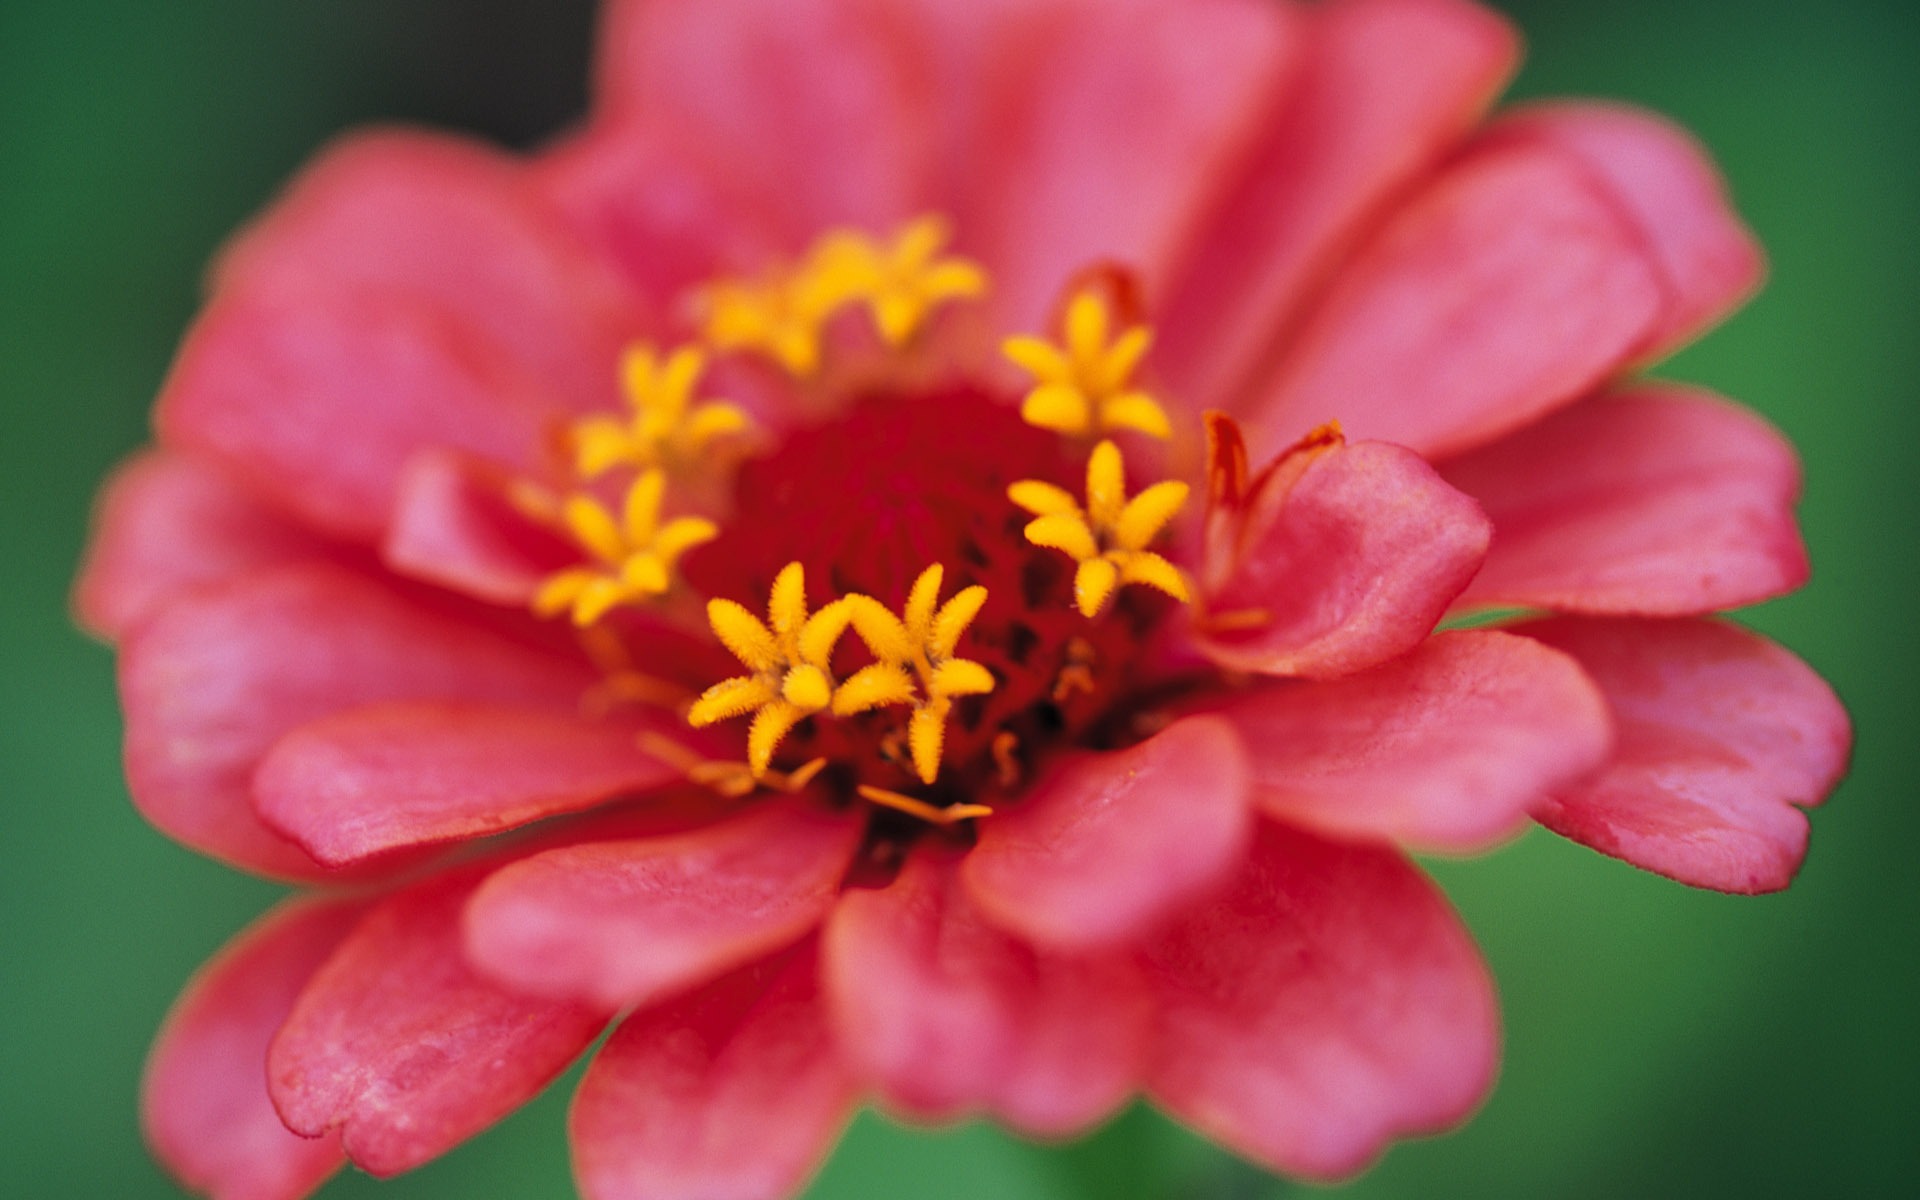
point(756, 573)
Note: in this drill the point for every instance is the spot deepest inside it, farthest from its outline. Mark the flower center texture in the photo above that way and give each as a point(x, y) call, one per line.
point(947, 574)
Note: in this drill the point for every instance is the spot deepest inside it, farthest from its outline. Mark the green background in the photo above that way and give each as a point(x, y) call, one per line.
point(1660, 1041)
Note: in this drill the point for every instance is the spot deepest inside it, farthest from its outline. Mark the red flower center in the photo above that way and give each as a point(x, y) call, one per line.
point(865, 501)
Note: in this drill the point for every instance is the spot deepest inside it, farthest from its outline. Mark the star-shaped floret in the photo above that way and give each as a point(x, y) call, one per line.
point(637, 553)
point(664, 426)
point(916, 663)
point(1084, 384)
point(790, 660)
point(902, 282)
point(1110, 536)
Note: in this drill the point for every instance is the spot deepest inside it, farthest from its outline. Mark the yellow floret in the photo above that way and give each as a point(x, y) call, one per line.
point(1109, 537)
point(636, 554)
point(1084, 384)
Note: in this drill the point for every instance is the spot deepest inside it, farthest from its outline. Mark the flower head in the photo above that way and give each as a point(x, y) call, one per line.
point(1056, 792)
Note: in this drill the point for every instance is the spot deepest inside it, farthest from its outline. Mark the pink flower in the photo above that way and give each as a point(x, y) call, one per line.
point(1085, 768)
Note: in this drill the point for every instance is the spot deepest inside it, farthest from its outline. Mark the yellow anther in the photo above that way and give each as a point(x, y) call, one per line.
point(1084, 384)
point(916, 663)
point(789, 656)
point(637, 553)
point(664, 427)
point(1110, 536)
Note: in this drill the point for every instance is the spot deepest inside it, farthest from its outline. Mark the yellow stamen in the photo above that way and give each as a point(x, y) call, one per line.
point(902, 281)
point(636, 554)
point(950, 815)
point(1083, 384)
point(916, 663)
point(790, 659)
point(664, 426)
point(1109, 537)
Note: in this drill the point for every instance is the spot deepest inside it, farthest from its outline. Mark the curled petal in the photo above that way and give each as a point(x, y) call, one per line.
point(203, 1102)
point(735, 1090)
point(625, 922)
point(1342, 556)
point(374, 779)
point(1329, 1002)
point(456, 524)
point(1721, 735)
point(1666, 183)
point(402, 1049)
point(1508, 287)
point(211, 683)
point(1100, 851)
point(1659, 501)
point(1448, 747)
point(948, 1015)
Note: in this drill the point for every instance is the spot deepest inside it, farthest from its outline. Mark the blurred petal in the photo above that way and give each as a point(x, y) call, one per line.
point(644, 197)
point(457, 229)
point(1721, 734)
point(1668, 186)
point(214, 680)
point(736, 1091)
point(203, 1103)
point(1659, 501)
point(625, 922)
point(1330, 1003)
point(1102, 130)
point(1508, 287)
point(1100, 851)
point(1448, 747)
point(455, 525)
point(369, 780)
point(166, 522)
point(406, 1052)
point(805, 106)
point(1342, 556)
point(1383, 89)
point(319, 400)
point(948, 1015)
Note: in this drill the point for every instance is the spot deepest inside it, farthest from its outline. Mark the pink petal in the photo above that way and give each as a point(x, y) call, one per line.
point(1660, 501)
point(1102, 849)
point(804, 106)
point(1667, 185)
point(1448, 747)
point(167, 522)
point(735, 1092)
point(948, 1015)
point(1383, 89)
point(1331, 1003)
point(454, 524)
point(625, 922)
point(1342, 556)
point(369, 780)
point(1103, 130)
point(457, 229)
point(1721, 734)
point(644, 198)
point(1510, 286)
point(319, 400)
point(211, 682)
point(399, 1047)
point(203, 1103)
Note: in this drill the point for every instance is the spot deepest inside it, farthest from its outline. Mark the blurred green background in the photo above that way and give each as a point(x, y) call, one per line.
point(1661, 1041)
